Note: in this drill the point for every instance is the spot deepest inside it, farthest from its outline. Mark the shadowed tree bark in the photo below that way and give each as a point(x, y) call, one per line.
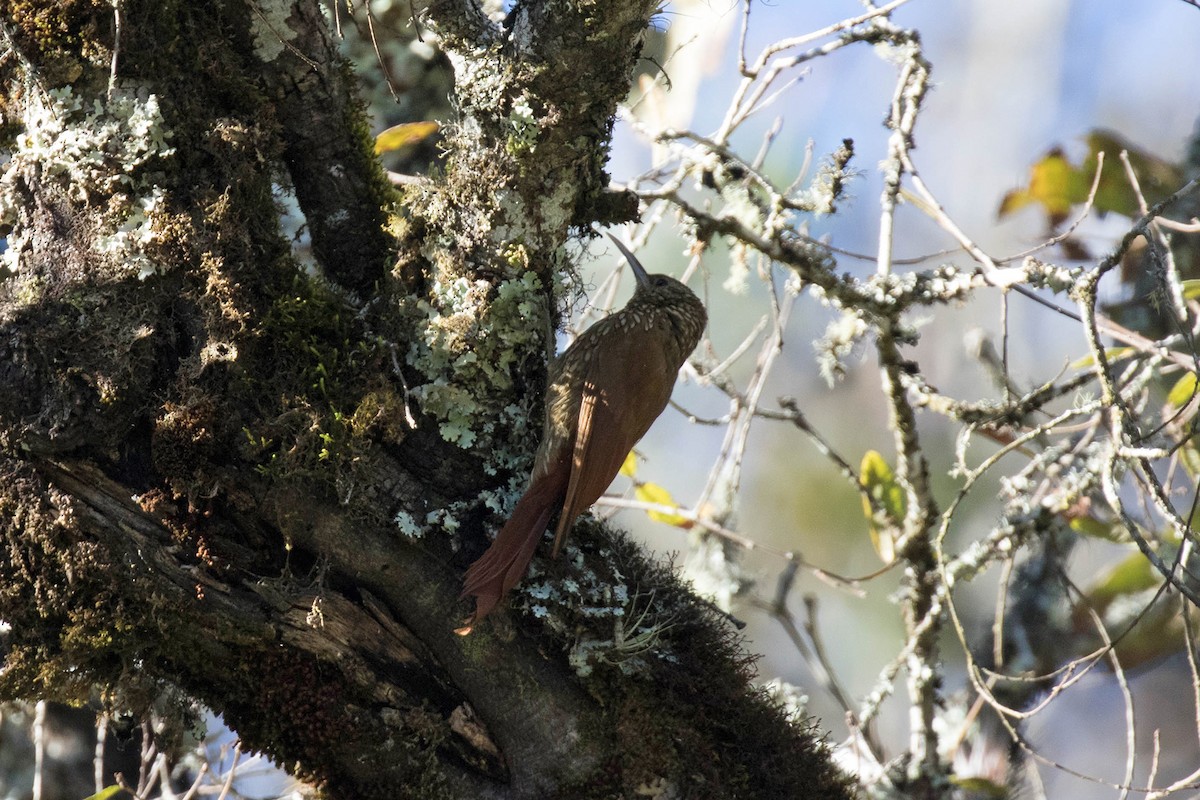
point(233, 478)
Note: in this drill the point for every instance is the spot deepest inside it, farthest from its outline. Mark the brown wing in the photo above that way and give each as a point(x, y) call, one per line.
point(501, 568)
point(627, 386)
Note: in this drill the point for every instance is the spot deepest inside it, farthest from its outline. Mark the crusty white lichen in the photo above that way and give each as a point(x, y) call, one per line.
point(444, 518)
point(790, 698)
point(586, 592)
point(1050, 276)
point(714, 575)
point(837, 344)
point(408, 525)
point(738, 281)
point(94, 152)
point(270, 29)
point(524, 127)
point(126, 245)
point(638, 625)
point(467, 347)
point(93, 149)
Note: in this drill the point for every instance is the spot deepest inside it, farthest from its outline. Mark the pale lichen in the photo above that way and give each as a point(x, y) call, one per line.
point(92, 151)
point(270, 29)
point(790, 698)
point(585, 592)
point(639, 625)
point(836, 345)
point(408, 525)
point(714, 575)
point(1055, 278)
point(468, 344)
point(443, 518)
point(126, 246)
point(524, 127)
point(738, 281)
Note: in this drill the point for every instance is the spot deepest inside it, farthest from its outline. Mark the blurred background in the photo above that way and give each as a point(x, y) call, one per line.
point(1011, 81)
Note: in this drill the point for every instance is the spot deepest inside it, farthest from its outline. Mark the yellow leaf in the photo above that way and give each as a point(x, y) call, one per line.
point(876, 476)
point(1097, 529)
point(653, 493)
point(629, 467)
point(1183, 391)
point(1014, 201)
point(1191, 289)
point(105, 793)
point(878, 479)
point(1111, 353)
point(403, 135)
point(1054, 182)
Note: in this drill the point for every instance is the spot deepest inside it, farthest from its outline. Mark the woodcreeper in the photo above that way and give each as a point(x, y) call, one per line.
point(602, 395)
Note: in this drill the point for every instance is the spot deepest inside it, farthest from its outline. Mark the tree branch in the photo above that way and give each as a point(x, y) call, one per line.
point(339, 184)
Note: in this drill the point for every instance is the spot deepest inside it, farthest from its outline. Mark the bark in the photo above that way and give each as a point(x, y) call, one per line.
point(227, 478)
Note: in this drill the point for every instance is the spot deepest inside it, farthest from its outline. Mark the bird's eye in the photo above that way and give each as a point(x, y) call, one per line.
point(660, 280)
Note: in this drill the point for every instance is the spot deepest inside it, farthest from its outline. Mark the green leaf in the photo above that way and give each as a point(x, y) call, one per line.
point(1189, 456)
point(1156, 178)
point(1096, 529)
point(1130, 575)
point(1183, 391)
point(980, 786)
point(105, 793)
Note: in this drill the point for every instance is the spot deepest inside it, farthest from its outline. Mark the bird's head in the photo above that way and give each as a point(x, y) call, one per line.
point(661, 294)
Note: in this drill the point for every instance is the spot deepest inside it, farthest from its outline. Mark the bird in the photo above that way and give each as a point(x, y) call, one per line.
point(602, 395)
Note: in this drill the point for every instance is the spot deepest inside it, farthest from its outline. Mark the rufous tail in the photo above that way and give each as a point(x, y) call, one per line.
point(504, 563)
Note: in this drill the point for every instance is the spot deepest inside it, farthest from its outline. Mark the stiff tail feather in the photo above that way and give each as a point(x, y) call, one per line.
point(504, 563)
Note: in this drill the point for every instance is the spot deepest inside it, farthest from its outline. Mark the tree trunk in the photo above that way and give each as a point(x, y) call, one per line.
point(231, 478)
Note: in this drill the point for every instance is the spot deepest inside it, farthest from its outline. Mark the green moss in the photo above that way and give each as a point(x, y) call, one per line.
point(327, 397)
point(379, 189)
point(73, 629)
point(302, 712)
point(732, 742)
point(65, 598)
point(63, 36)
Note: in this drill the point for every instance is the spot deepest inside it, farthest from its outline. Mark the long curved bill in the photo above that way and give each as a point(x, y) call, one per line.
point(639, 271)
